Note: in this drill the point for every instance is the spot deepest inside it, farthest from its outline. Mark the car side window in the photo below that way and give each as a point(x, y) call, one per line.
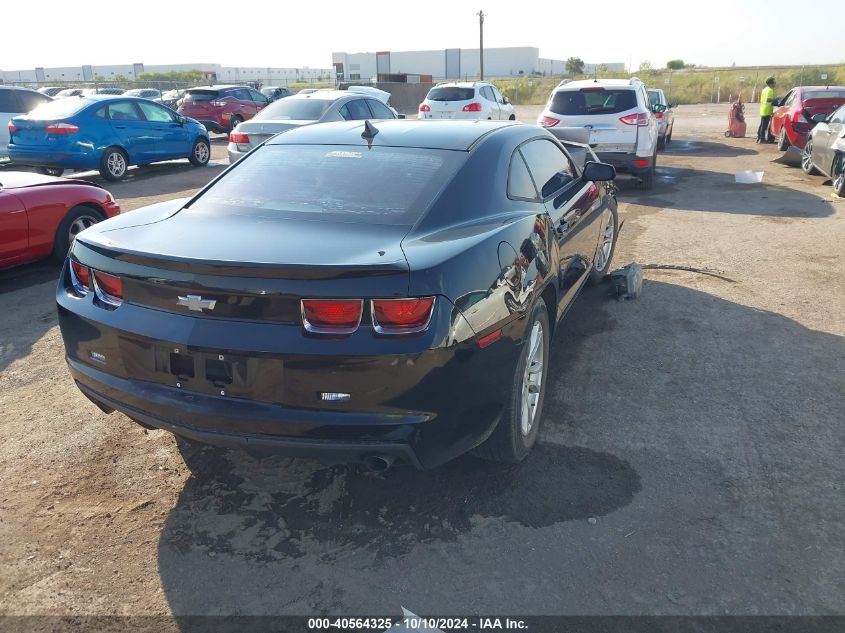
point(550, 166)
point(257, 96)
point(380, 111)
point(9, 101)
point(124, 111)
point(31, 100)
point(356, 110)
point(838, 116)
point(497, 95)
point(155, 113)
point(520, 184)
point(487, 93)
point(788, 99)
point(100, 113)
point(242, 94)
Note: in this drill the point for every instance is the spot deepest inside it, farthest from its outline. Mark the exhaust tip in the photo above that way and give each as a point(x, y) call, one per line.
point(378, 463)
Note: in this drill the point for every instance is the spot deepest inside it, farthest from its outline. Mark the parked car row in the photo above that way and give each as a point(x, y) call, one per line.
point(810, 119)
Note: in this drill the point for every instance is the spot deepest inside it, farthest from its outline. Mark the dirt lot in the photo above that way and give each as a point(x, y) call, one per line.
point(691, 458)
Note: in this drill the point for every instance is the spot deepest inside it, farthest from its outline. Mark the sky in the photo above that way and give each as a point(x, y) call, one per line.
point(298, 34)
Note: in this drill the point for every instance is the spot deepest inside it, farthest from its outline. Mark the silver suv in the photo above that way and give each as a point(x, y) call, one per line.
point(614, 116)
point(15, 101)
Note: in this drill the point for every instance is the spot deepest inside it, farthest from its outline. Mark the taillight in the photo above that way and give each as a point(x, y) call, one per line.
point(332, 316)
point(62, 128)
point(424, 107)
point(80, 277)
point(12, 127)
point(472, 107)
point(217, 104)
point(548, 121)
point(639, 119)
point(658, 115)
point(108, 288)
point(402, 316)
point(240, 139)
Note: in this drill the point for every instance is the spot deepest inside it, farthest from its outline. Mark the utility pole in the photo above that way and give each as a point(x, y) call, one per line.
point(480, 15)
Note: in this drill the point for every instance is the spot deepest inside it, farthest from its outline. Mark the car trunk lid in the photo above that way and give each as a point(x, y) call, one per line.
point(253, 268)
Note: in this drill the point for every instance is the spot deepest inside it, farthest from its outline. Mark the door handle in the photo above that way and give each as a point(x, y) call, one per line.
point(120, 127)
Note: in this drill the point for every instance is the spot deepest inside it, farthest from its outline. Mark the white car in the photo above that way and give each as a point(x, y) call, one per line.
point(613, 116)
point(15, 101)
point(466, 100)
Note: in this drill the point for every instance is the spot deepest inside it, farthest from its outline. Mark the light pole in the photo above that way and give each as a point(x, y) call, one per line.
point(480, 15)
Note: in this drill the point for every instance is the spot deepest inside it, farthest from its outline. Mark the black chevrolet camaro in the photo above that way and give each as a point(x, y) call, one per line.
point(354, 291)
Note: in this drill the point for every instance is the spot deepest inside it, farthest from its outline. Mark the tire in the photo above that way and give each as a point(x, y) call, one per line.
point(669, 135)
point(515, 434)
point(783, 141)
point(512, 117)
point(51, 171)
point(114, 164)
point(77, 219)
point(607, 245)
point(807, 159)
point(661, 143)
point(646, 182)
point(839, 179)
point(200, 153)
point(234, 121)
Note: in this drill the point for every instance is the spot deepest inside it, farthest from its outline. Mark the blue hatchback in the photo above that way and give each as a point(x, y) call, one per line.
point(105, 132)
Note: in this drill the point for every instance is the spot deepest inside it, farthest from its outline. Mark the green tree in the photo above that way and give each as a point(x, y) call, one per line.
point(184, 76)
point(645, 67)
point(675, 64)
point(575, 66)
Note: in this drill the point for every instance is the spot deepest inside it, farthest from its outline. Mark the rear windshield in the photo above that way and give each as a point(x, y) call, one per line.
point(451, 93)
point(201, 95)
point(340, 183)
point(590, 101)
point(823, 94)
point(59, 109)
point(295, 109)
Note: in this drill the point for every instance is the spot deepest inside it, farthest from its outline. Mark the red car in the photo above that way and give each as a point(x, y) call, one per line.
point(221, 108)
point(791, 122)
point(41, 215)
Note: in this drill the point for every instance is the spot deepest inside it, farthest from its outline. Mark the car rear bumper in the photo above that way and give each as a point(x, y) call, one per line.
point(41, 158)
point(172, 410)
point(626, 163)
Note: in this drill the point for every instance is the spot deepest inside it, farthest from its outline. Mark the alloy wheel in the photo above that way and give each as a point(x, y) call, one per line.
point(806, 159)
point(532, 379)
point(78, 225)
point(603, 254)
point(116, 164)
point(201, 152)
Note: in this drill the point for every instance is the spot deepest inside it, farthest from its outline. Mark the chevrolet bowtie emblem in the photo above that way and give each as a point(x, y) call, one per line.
point(196, 303)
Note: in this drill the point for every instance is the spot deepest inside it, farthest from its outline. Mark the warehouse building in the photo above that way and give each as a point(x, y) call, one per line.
point(452, 63)
point(221, 74)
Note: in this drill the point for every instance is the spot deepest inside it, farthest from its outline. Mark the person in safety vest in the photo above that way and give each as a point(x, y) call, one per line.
point(767, 97)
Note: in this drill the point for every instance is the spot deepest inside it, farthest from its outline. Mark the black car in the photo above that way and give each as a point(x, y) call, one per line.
point(349, 291)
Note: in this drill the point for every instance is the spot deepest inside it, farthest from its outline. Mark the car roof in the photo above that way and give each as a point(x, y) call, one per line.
point(329, 95)
point(21, 88)
point(459, 135)
point(598, 83)
point(463, 84)
point(819, 88)
point(218, 87)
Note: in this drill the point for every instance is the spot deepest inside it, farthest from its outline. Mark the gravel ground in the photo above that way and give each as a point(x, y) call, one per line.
point(690, 463)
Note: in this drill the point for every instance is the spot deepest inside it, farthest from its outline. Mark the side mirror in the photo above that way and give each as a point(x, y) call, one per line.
point(400, 116)
point(505, 101)
point(182, 120)
point(598, 172)
point(659, 107)
point(673, 105)
point(819, 117)
point(775, 103)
